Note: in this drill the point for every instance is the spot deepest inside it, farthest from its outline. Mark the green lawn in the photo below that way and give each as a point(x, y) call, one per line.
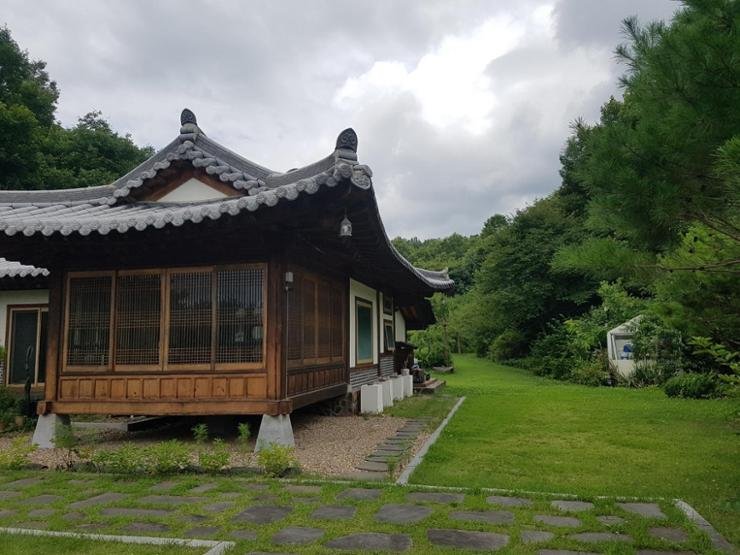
point(15, 544)
point(519, 431)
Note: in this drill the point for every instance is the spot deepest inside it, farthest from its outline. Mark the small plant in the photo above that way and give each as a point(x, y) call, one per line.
point(167, 457)
point(200, 433)
point(243, 433)
point(127, 459)
point(15, 456)
point(216, 458)
point(276, 460)
point(66, 441)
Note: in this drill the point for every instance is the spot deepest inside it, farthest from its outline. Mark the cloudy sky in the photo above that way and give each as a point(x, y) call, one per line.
point(461, 107)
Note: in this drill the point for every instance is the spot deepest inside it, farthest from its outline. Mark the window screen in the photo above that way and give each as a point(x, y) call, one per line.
point(88, 334)
point(190, 318)
point(364, 331)
point(239, 315)
point(138, 318)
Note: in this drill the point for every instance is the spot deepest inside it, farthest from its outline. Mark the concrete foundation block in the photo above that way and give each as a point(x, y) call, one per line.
point(397, 388)
point(408, 385)
point(47, 426)
point(405, 372)
point(275, 429)
point(387, 387)
point(371, 399)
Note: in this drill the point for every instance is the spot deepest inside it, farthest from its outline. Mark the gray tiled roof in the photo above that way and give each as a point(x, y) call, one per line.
point(9, 268)
point(111, 208)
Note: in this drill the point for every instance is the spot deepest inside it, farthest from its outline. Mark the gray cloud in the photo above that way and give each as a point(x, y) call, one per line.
point(461, 107)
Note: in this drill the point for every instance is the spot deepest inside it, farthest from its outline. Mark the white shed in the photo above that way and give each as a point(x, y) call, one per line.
point(620, 348)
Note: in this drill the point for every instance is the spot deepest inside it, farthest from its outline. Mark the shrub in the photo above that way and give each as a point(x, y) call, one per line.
point(243, 433)
point(552, 354)
point(216, 458)
point(167, 457)
point(276, 460)
point(592, 372)
point(431, 349)
point(200, 433)
point(507, 345)
point(694, 386)
point(15, 456)
point(9, 408)
point(127, 459)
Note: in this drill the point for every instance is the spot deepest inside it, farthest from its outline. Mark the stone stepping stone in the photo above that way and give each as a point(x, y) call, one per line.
point(490, 517)
point(572, 506)
point(434, 497)
point(536, 536)
point(174, 500)
point(23, 483)
point(165, 486)
point(73, 516)
point(360, 494)
point(303, 490)
point(136, 513)
point(109, 497)
point(505, 501)
point(205, 488)
point(218, 507)
point(262, 514)
point(202, 532)
point(380, 458)
point(246, 535)
point(40, 513)
point(91, 527)
point(656, 552)
point(598, 537)
point(395, 449)
point(362, 476)
point(610, 520)
point(297, 535)
point(41, 499)
point(8, 494)
point(372, 541)
point(559, 521)
point(334, 512)
point(564, 552)
point(371, 466)
point(669, 534)
point(267, 498)
point(463, 539)
point(6, 512)
point(402, 514)
point(33, 525)
point(304, 500)
point(146, 527)
point(384, 453)
point(231, 495)
point(647, 510)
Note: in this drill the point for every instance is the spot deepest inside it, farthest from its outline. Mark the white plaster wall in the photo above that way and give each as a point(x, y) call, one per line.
point(192, 190)
point(357, 289)
point(33, 296)
point(400, 326)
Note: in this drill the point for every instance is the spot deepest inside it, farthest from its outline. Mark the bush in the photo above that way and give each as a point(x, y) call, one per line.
point(167, 457)
point(552, 355)
point(276, 460)
point(15, 456)
point(592, 372)
point(431, 349)
point(508, 345)
point(127, 459)
point(216, 458)
point(694, 386)
point(9, 408)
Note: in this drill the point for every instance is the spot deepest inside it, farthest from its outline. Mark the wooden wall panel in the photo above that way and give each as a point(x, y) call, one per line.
point(305, 380)
point(153, 389)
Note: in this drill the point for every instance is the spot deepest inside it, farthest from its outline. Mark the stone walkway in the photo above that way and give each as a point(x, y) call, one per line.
point(285, 517)
point(380, 464)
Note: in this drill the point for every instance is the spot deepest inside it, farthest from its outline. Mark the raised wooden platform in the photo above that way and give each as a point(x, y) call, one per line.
point(429, 386)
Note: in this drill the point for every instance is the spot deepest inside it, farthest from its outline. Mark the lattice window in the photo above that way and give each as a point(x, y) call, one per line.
point(308, 290)
point(88, 331)
point(138, 318)
point(294, 348)
point(239, 315)
point(190, 317)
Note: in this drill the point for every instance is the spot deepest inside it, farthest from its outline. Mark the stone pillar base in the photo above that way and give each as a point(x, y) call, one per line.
point(371, 399)
point(275, 429)
point(45, 433)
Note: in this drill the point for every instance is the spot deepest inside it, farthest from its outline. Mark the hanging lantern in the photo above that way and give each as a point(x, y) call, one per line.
point(345, 228)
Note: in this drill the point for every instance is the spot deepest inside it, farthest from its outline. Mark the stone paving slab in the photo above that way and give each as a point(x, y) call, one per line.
point(385, 453)
point(669, 534)
point(610, 520)
point(372, 541)
point(564, 552)
point(536, 536)
point(463, 539)
point(6, 512)
point(646, 510)
point(359, 494)
point(218, 507)
point(23, 483)
point(656, 552)
point(598, 537)
point(490, 517)
point(109, 497)
point(136, 513)
point(202, 532)
point(146, 527)
point(41, 513)
point(297, 535)
point(174, 500)
point(334, 512)
point(263, 514)
point(246, 535)
point(435, 497)
point(506, 501)
point(572, 506)
point(203, 488)
point(41, 499)
point(165, 486)
point(402, 514)
point(559, 521)
point(8, 494)
point(371, 466)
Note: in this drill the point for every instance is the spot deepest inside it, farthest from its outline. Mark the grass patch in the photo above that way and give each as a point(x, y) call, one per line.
point(518, 431)
point(17, 544)
point(434, 407)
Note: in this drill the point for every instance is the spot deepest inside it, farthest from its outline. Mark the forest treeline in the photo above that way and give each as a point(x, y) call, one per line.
point(644, 222)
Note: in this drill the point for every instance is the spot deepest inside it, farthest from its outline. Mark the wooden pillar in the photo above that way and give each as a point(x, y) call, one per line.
point(55, 333)
point(275, 355)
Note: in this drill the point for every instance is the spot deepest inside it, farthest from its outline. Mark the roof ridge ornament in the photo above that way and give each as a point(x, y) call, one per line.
point(188, 116)
point(347, 140)
point(189, 129)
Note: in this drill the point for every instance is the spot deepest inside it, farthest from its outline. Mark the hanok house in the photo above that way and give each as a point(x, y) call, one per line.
point(201, 283)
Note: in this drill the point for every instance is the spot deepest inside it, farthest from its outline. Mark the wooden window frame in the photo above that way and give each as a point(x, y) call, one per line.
point(387, 305)
point(369, 304)
point(164, 365)
point(386, 322)
point(38, 308)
